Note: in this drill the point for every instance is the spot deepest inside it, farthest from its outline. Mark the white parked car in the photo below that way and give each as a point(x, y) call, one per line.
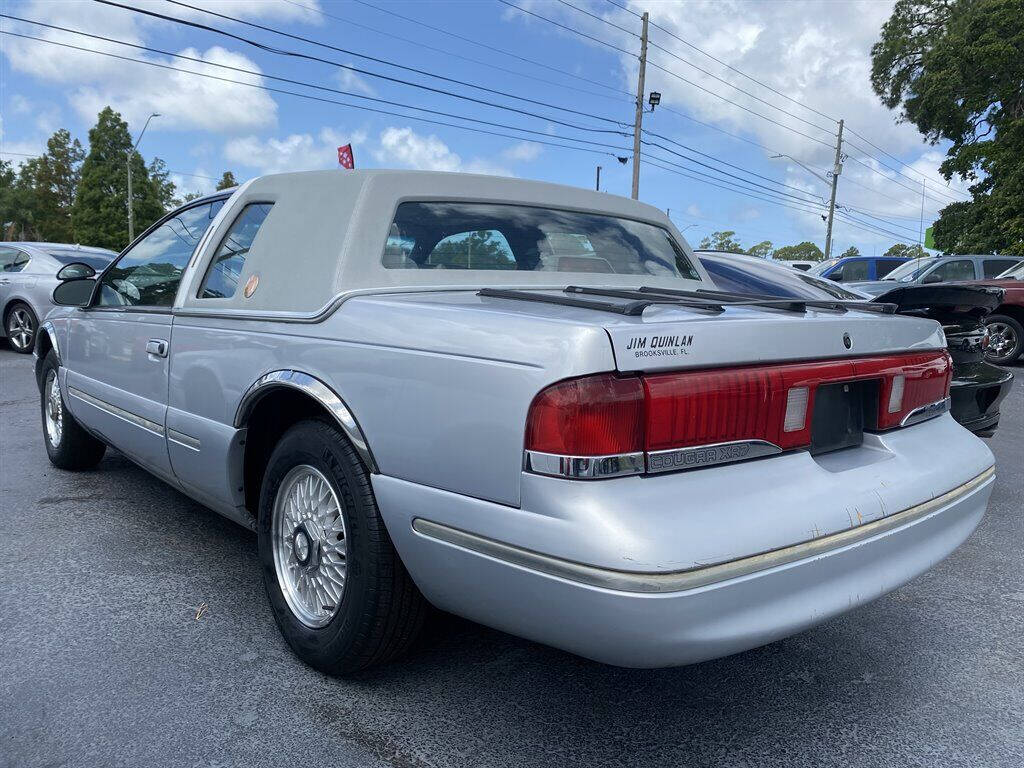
point(28, 275)
point(521, 402)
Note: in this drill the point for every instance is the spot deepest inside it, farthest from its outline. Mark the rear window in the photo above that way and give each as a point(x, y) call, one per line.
point(486, 236)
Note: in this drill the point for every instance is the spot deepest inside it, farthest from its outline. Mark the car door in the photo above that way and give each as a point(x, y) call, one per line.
point(952, 269)
point(884, 266)
point(117, 357)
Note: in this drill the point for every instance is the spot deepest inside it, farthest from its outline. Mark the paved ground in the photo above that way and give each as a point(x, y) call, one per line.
point(102, 661)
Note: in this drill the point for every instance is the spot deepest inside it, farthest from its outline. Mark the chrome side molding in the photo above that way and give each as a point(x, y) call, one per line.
point(121, 413)
point(318, 391)
point(692, 578)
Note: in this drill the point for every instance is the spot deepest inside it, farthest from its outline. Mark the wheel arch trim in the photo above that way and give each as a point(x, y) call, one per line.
point(38, 342)
point(316, 389)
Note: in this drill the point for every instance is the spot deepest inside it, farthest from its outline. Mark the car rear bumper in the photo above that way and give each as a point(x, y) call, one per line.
point(976, 393)
point(673, 618)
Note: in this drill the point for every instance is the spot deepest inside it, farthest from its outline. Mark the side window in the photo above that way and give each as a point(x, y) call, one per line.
point(148, 275)
point(481, 249)
point(885, 266)
point(12, 260)
point(222, 276)
point(993, 267)
point(855, 270)
point(959, 269)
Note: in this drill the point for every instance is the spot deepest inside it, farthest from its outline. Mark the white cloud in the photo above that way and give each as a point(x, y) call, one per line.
point(201, 180)
point(403, 147)
point(694, 210)
point(297, 152)
point(354, 82)
point(523, 152)
point(136, 90)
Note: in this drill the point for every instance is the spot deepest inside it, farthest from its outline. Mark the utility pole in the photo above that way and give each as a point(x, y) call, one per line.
point(638, 123)
point(597, 184)
point(131, 212)
point(836, 170)
point(920, 230)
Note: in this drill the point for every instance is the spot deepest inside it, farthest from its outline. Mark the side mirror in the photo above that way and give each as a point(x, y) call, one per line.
point(74, 292)
point(76, 270)
point(933, 277)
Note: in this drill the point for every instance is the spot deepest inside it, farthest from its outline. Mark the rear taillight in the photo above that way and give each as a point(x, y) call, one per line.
point(607, 425)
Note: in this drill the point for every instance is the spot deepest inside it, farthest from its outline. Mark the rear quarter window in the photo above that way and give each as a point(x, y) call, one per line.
point(222, 275)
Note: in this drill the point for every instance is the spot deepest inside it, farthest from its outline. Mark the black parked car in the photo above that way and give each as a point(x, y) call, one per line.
point(978, 387)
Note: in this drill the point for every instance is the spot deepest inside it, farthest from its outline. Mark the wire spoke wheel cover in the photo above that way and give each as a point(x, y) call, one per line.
point(54, 410)
point(20, 328)
point(309, 545)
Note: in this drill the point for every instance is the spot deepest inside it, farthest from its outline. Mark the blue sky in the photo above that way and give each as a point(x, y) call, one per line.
point(815, 53)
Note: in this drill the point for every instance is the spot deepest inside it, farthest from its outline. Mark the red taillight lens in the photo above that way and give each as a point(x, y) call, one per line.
point(591, 416)
point(608, 415)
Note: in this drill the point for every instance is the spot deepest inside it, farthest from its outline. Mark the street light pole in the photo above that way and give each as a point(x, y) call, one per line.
point(597, 185)
point(131, 212)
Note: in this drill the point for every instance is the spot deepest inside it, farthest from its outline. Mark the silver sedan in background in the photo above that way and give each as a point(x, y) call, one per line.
point(28, 275)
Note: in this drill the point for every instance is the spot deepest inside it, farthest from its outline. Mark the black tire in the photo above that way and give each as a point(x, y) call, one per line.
point(1010, 341)
point(381, 611)
point(24, 341)
point(74, 448)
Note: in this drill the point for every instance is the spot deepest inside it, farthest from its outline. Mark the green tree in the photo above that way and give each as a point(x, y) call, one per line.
point(762, 250)
point(853, 250)
point(16, 215)
point(721, 241)
point(100, 213)
point(805, 251)
point(955, 69)
point(163, 187)
point(227, 181)
point(904, 251)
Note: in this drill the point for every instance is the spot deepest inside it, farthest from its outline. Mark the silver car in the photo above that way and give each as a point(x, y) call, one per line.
point(523, 403)
point(28, 275)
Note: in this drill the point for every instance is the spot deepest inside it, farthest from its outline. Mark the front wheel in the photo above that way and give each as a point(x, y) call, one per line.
point(67, 444)
point(1005, 339)
point(338, 590)
point(21, 325)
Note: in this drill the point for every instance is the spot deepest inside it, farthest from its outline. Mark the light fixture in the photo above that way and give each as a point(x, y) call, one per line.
point(654, 99)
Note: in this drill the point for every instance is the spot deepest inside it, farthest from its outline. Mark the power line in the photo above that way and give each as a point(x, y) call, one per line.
point(303, 83)
point(370, 73)
point(723, 162)
point(599, 18)
point(849, 209)
point(489, 47)
point(949, 198)
point(887, 154)
point(558, 24)
point(478, 62)
point(320, 99)
point(899, 184)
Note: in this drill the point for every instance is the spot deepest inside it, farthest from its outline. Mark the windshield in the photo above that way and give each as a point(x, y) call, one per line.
point(1015, 272)
point(819, 268)
point(97, 261)
point(912, 269)
point(486, 236)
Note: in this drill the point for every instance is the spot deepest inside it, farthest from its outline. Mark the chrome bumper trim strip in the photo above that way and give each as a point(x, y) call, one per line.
point(584, 467)
point(709, 455)
point(121, 413)
point(679, 581)
point(926, 412)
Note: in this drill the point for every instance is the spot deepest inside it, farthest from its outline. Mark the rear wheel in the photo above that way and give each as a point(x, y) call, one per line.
point(67, 444)
point(1005, 339)
point(21, 324)
point(339, 592)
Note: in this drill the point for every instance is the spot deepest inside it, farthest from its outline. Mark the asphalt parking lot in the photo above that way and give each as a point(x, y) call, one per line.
point(103, 661)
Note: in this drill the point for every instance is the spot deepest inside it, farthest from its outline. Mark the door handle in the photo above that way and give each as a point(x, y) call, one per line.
point(157, 347)
point(5, 281)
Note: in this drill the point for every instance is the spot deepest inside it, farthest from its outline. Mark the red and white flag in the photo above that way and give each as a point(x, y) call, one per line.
point(345, 157)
